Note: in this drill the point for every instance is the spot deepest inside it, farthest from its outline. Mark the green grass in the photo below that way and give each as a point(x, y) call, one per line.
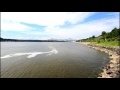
point(107, 43)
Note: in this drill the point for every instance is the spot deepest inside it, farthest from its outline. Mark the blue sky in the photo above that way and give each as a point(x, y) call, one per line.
point(56, 25)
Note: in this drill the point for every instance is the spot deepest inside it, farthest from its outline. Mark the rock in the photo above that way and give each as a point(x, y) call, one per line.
point(118, 71)
point(110, 55)
point(113, 61)
point(109, 72)
point(111, 65)
point(116, 76)
point(112, 70)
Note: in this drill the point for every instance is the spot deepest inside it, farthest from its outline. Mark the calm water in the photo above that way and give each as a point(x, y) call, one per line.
point(50, 60)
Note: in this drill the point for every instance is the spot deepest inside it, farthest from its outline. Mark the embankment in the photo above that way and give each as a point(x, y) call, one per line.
point(112, 69)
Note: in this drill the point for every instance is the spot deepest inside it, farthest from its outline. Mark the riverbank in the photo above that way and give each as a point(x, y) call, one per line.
point(112, 69)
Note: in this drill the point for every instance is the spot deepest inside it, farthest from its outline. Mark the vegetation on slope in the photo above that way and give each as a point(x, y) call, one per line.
point(106, 38)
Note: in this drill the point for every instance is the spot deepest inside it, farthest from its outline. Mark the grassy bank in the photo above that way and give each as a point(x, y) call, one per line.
point(105, 39)
point(106, 43)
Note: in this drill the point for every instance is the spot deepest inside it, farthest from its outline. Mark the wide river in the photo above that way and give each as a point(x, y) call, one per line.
point(50, 60)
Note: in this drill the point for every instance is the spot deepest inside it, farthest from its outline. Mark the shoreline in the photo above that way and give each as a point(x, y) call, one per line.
point(112, 69)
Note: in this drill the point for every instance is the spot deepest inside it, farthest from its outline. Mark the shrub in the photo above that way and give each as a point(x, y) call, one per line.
point(98, 41)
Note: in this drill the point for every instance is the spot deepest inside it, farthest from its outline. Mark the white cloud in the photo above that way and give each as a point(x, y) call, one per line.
point(46, 18)
point(53, 20)
point(13, 26)
point(78, 17)
point(84, 30)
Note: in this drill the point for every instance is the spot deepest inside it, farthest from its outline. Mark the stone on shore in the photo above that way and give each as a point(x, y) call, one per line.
point(111, 70)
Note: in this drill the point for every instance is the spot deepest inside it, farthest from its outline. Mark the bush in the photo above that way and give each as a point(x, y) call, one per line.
point(98, 41)
point(102, 41)
point(108, 39)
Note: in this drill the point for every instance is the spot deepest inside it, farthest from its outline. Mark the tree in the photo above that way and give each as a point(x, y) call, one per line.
point(93, 36)
point(104, 35)
point(107, 35)
point(115, 32)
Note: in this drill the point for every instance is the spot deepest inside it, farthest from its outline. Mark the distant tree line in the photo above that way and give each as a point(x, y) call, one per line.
point(16, 40)
point(114, 35)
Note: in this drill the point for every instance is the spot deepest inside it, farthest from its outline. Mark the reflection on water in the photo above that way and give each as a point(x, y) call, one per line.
point(50, 60)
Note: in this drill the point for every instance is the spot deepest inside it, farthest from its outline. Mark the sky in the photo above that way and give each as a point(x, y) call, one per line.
point(56, 25)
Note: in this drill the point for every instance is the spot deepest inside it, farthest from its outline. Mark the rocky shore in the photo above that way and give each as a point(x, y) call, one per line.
point(112, 69)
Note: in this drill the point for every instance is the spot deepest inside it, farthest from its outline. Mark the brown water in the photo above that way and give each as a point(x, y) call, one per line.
point(55, 60)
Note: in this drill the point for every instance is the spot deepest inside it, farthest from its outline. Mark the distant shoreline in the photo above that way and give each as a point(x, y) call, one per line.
point(17, 40)
point(33, 41)
point(112, 69)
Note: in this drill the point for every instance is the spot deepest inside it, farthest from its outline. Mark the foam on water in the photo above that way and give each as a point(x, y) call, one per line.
point(32, 54)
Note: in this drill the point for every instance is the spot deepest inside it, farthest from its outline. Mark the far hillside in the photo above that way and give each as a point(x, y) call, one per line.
point(106, 38)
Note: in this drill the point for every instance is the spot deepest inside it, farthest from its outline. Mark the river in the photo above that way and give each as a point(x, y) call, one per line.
point(50, 60)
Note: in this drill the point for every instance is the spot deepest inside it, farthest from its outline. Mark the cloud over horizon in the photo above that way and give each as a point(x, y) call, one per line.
point(57, 25)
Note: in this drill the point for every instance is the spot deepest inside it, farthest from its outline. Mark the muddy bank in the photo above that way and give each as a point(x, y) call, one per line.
point(112, 69)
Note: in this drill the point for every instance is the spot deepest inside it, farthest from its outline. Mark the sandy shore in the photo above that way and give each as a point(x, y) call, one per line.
point(112, 69)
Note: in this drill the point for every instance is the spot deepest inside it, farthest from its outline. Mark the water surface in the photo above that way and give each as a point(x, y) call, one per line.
point(62, 60)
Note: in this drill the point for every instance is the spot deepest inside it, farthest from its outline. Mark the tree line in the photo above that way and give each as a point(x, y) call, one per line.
point(114, 35)
point(16, 40)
